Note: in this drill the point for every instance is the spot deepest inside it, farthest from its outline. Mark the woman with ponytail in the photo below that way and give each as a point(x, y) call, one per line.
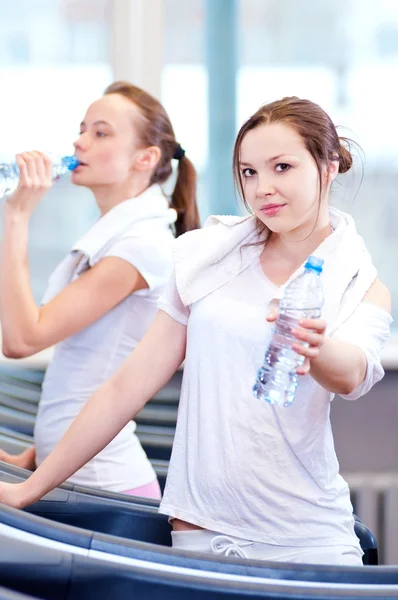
point(102, 298)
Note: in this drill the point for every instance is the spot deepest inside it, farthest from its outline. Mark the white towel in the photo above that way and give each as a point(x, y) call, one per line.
point(122, 218)
point(207, 259)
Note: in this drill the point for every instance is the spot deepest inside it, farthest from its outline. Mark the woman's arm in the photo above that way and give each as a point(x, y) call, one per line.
point(27, 328)
point(114, 404)
point(338, 366)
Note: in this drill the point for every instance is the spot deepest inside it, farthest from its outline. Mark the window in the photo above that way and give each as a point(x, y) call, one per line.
point(54, 61)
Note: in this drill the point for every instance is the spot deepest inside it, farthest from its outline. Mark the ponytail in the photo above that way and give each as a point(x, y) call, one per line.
point(183, 199)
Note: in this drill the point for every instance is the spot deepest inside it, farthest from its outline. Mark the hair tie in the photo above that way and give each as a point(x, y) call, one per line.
point(179, 152)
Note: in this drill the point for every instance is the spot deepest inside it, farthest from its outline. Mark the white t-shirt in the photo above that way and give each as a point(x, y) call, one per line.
point(243, 467)
point(138, 231)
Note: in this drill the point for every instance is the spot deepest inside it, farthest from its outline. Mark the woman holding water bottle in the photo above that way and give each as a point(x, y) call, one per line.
point(246, 477)
point(103, 297)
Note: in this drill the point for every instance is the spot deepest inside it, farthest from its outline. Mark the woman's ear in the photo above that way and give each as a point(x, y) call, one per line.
point(332, 170)
point(147, 159)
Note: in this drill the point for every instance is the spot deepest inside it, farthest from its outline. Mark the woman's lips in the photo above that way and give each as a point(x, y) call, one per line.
point(79, 166)
point(270, 210)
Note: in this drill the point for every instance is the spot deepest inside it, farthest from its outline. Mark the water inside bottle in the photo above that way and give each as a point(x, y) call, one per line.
point(277, 378)
point(8, 181)
point(9, 173)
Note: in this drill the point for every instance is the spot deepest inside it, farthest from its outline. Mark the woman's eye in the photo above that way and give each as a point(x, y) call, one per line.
point(248, 172)
point(282, 167)
point(101, 134)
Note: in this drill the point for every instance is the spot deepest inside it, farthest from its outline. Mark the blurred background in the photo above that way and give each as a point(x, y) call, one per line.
point(212, 63)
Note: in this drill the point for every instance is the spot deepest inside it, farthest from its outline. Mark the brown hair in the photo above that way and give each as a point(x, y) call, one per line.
point(155, 129)
point(313, 125)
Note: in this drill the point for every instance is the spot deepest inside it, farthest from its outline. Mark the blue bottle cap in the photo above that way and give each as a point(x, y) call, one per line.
point(314, 263)
point(71, 162)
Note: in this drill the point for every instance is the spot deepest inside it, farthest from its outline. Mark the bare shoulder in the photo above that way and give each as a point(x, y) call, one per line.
point(379, 294)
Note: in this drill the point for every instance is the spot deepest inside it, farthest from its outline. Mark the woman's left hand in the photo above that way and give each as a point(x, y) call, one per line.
point(311, 337)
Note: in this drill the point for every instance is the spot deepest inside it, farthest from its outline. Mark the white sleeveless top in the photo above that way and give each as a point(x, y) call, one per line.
point(138, 231)
point(243, 467)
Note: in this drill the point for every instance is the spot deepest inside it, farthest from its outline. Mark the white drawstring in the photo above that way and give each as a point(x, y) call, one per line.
point(222, 544)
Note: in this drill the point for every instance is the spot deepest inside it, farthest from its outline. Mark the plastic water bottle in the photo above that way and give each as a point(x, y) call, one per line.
point(303, 298)
point(9, 172)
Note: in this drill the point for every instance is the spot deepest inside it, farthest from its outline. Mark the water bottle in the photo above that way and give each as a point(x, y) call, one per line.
point(303, 298)
point(9, 173)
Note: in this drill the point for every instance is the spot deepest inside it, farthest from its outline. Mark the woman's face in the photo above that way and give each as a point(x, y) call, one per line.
point(280, 178)
point(108, 144)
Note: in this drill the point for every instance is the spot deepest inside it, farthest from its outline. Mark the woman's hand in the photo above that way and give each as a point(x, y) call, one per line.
point(25, 460)
point(36, 174)
point(311, 337)
point(13, 494)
